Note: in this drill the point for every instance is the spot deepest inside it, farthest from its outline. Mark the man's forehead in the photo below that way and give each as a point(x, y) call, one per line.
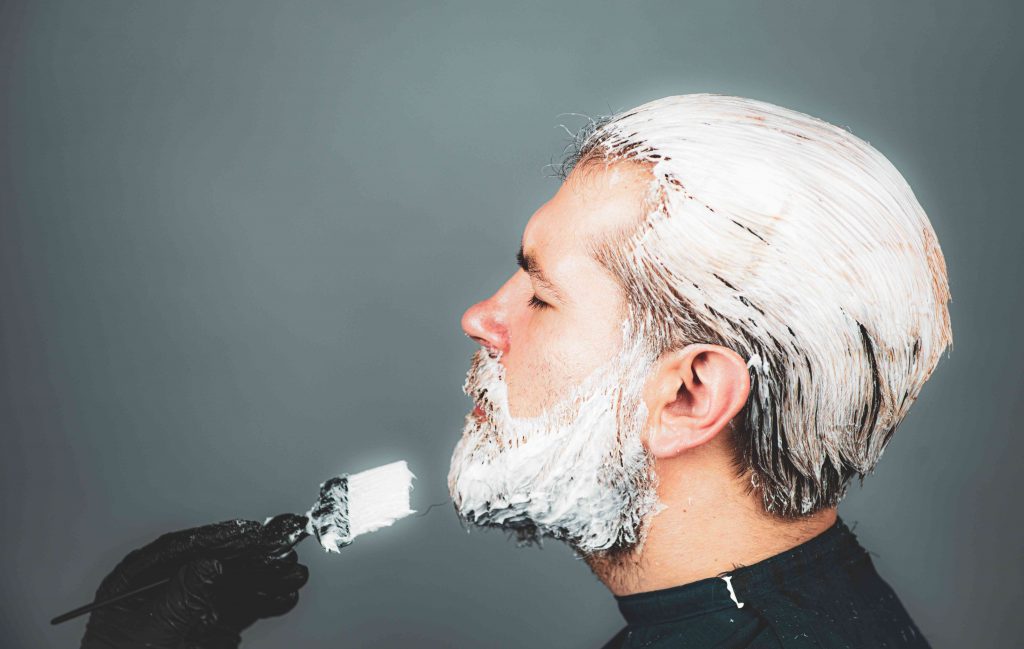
point(590, 204)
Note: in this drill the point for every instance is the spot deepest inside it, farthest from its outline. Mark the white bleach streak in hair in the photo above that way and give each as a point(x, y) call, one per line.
point(802, 248)
point(578, 472)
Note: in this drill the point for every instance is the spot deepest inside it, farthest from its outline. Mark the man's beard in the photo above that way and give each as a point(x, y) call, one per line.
point(577, 472)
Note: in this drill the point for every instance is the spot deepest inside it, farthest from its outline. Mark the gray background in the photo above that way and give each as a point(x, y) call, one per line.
point(237, 238)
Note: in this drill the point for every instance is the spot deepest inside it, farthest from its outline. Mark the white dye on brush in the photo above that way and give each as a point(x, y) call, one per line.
point(351, 505)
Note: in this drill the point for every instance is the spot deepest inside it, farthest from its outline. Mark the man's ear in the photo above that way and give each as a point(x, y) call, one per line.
point(694, 394)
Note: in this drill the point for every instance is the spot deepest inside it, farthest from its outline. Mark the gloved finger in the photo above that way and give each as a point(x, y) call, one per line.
point(188, 601)
point(239, 606)
point(282, 532)
point(289, 557)
point(163, 556)
point(216, 636)
point(283, 578)
point(270, 576)
point(275, 605)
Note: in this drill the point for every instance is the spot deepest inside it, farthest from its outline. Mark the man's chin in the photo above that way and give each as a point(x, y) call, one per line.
point(525, 532)
point(528, 532)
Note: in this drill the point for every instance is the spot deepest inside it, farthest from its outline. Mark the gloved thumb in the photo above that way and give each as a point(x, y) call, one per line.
point(282, 532)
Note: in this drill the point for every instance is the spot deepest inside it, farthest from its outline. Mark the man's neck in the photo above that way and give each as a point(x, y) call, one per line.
point(708, 527)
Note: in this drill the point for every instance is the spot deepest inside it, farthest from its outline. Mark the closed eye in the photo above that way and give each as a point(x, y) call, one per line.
point(537, 303)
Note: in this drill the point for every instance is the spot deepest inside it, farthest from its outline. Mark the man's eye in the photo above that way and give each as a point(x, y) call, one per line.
point(537, 303)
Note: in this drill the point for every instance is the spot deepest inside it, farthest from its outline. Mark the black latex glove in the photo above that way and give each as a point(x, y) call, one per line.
point(224, 577)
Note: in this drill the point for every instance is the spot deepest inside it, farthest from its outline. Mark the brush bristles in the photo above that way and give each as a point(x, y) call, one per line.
point(360, 503)
point(378, 497)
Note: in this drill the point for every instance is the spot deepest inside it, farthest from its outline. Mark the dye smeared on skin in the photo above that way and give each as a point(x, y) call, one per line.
point(801, 247)
point(578, 472)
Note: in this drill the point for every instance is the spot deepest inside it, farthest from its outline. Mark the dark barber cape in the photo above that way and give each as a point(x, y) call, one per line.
point(821, 594)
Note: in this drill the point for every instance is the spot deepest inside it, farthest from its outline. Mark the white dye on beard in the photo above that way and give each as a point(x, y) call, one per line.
point(578, 472)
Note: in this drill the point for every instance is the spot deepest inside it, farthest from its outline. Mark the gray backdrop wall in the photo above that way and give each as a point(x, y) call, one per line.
point(237, 238)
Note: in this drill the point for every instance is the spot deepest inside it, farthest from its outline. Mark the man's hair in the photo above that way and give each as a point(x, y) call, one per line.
point(797, 245)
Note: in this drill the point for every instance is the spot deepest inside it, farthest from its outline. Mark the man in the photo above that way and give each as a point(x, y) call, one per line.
point(719, 320)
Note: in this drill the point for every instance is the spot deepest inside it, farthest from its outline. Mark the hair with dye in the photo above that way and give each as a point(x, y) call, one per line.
point(797, 245)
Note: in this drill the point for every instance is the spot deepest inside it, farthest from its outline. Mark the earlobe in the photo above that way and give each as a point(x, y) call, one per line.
point(695, 393)
point(666, 443)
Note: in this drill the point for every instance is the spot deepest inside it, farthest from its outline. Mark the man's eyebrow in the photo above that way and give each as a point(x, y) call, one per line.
point(529, 263)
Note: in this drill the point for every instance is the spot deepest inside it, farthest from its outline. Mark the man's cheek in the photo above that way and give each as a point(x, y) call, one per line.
point(521, 395)
point(539, 386)
point(527, 383)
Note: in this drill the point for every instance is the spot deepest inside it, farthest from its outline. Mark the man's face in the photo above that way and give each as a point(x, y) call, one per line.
point(559, 316)
point(554, 446)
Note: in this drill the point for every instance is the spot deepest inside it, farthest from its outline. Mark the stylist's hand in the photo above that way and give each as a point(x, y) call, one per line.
point(224, 577)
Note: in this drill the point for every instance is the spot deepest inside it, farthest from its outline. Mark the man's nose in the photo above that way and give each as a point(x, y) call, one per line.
point(484, 323)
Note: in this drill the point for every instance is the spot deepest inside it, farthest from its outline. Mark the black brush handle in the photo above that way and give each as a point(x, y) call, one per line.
point(88, 608)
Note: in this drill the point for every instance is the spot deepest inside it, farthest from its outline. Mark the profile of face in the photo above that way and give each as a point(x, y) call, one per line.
point(769, 259)
point(555, 446)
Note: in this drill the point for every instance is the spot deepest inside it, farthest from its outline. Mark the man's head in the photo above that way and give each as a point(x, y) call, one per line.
point(555, 446)
point(752, 280)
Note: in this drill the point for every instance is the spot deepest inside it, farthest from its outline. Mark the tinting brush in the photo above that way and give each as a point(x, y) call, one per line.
point(351, 505)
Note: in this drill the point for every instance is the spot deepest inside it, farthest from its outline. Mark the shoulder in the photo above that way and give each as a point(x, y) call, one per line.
point(852, 618)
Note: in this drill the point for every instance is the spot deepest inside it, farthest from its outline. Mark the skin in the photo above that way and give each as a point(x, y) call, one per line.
point(711, 525)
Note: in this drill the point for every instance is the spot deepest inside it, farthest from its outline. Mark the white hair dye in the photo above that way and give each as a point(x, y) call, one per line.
point(802, 248)
point(577, 472)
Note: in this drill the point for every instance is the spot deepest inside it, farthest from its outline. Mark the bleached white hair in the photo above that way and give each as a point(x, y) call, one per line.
point(799, 246)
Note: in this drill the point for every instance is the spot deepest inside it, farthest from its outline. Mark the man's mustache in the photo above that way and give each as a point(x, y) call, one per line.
point(473, 386)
